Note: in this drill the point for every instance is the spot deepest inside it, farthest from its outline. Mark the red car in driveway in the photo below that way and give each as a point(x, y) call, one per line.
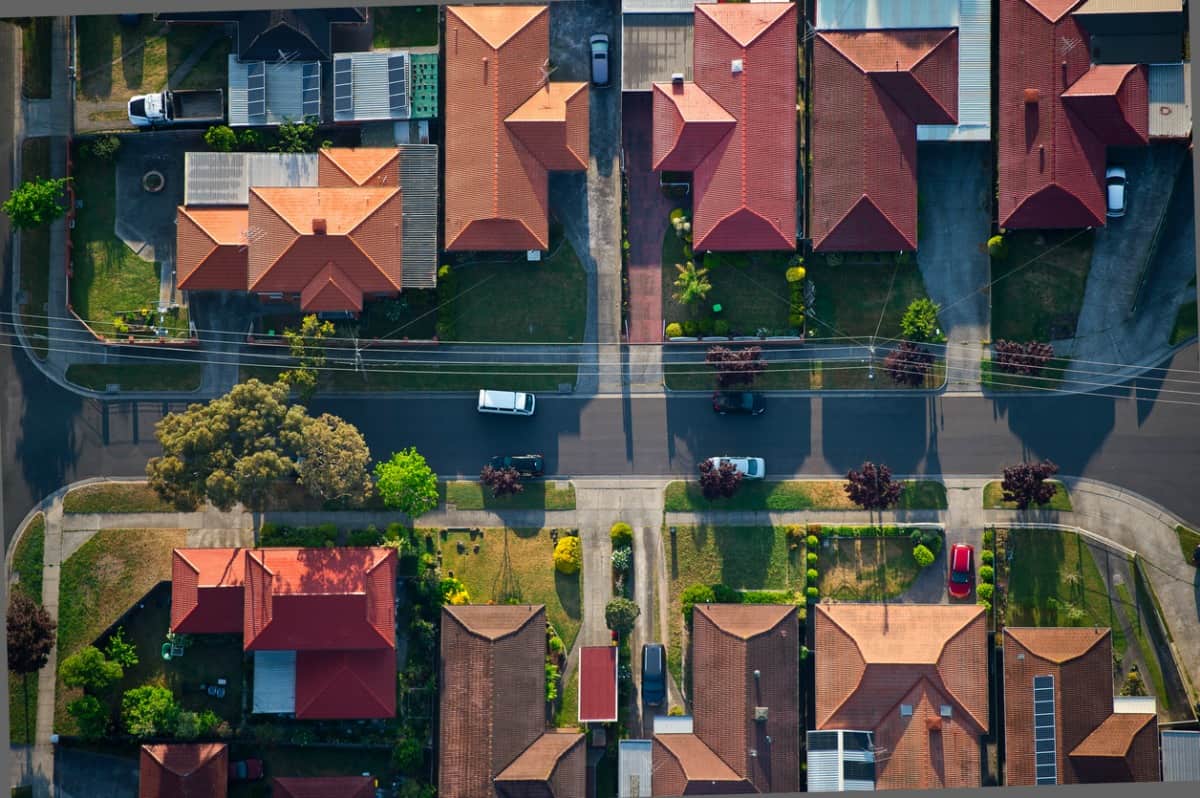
point(962, 570)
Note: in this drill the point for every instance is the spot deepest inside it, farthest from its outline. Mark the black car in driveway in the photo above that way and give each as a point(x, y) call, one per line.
point(654, 675)
point(527, 465)
point(743, 402)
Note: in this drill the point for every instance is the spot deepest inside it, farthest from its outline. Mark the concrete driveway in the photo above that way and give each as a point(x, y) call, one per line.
point(82, 773)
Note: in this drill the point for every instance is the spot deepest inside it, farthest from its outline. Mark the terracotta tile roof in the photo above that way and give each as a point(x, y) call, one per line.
point(346, 684)
point(323, 787)
point(745, 621)
point(699, 763)
point(331, 289)
point(873, 88)
point(210, 249)
point(496, 186)
point(184, 770)
point(206, 591)
point(1053, 10)
point(1113, 737)
point(1122, 749)
point(1113, 100)
point(320, 599)
point(688, 125)
point(348, 167)
point(539, 761)
point(1057, 644)
point(361, 234)
point(874, 658)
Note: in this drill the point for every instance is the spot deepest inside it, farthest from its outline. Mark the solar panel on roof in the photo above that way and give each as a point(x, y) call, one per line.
point(312, 89)
point(343, 85)
point(256, 91)
point(1044, 744)
point(397, 84)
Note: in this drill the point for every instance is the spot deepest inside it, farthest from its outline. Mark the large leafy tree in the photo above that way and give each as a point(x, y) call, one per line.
point(620, 614)
point(502, 481)
point(30, 634)
point(334, 461)
point(908, 364)
point(229, 450)
point(1025, 483)
point(307, 346)
point(149, 710)
point(720, 481)
point(735, 367)
point(35, 202)
point(407, 483)
point(88, 668)
point(872, 488)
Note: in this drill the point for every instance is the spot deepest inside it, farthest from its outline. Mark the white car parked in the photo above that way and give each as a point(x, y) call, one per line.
point(1115, 182)
point(750, 467)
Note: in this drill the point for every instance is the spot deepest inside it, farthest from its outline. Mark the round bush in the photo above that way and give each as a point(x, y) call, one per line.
point(988, 557)
point(721, 327)
point(987, 605)
point(811, 574)
point(690, 328)
point(676, 213)
point(997, 247)
point(621, 534)
point(987, 574)
point(985, 592)
point(568, 555)
point(796, 320)
point(811, 558)
point(674, 329)
point(923, 556)
point(811, 541)
point(220, 138)
point(705, 326)
point(795, 274)
point(696, 594)
point(812, 593)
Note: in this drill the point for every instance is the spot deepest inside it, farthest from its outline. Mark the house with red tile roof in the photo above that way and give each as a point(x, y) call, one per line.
point(1058, 114)
point(915, 678)
point(1062, 724)
point(330, 611)
point(734, 127)
point(746, 706)
point(184, 770)
point(323, 787)
point(494, 741)
point(507, 127)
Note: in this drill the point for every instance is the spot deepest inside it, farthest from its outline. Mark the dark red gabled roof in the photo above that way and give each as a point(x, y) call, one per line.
point(184, 770)
point(688, 125)
point(598, 684)
point(206, 591)
point(346, 684)
point(323, 787)
point(1113, 101)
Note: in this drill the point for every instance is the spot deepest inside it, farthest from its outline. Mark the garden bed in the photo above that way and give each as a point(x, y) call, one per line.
point(806, 375)
point(35, 250)
point(993, 498)
point(538, 495)
point(866, 568)
point(684, 497)
point(993, 379)
point(1037, 289)
point(116, 497)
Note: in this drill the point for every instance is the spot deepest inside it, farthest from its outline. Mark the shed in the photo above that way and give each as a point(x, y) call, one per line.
point(380, 85)
point(262, 93)
point(634, 768)
point(1180, 756)
point(225, 178)
point(598, 684)
point(274, 682)
point(1170, 100)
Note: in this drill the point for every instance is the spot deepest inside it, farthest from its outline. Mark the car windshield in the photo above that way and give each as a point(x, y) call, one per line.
point(751, 468)
point(653, 662)
point(959, 577)
point(529, 401)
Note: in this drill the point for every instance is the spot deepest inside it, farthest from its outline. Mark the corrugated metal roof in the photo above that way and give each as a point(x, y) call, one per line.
point(654, 47)
point(419, 205)
point(673, 724)
point(1134, 705)
point(284, 91)
point(830, 751)
point(1181, 756)
point(973, 18)
point(224, 178)
point(634, 768)
point(1130, 7)
point(371, 86)
point(1170, 105)
point(659, 6)
point(274, 682)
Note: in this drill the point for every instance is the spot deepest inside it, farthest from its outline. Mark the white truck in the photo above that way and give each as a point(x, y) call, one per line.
point(175, 108)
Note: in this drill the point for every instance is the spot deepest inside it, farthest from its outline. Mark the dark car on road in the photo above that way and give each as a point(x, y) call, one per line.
point(654, 674)
point(742, 402)
point(527, 465)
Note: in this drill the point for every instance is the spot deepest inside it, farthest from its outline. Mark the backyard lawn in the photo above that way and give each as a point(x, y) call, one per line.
point(993, 498)
point(116, 497)
point(992, 379)
point(1037, 290)
point(411, 26)
point(1189, 539)
point(866, 568)
point(682, 497)
point(211, 71)
point(99, 582)
point(538, 495)
point(1185, 323)
point(516, 564)
point(36, 80)
point(142, 377)
point(118, 61)
point(862, 299)
point(22, 689)
point(35, 249)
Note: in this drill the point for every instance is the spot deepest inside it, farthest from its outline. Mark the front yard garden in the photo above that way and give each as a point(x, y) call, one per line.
point(862, 295)
point(22, 688)
point(400, 26)
point(141, 377)
point(993, 498)
point(685, 497)
point(1050, 378)
point(844, 374)
point(1037, 287)
point(35, 248)
point(537, 495)
point(870, 563)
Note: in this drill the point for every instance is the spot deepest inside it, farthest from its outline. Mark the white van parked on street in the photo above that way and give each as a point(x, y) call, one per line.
point(509, 403)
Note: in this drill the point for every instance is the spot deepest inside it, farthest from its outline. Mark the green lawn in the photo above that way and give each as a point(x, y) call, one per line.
point(993, 498)
point(866, 568)
point(1129, 610)
point(116, 497)
point(413, 315)
point(405, 26)
point(436, 377)
point(992, 379)
point(22, 689)
point(36, 79)
point(1185, 323)
point(115, 61)
point(517, 564)
point(99, 582)
point(852, 296)
point(211, 71)
point(108, 279)
point(1054, 581)
point(1189, 539)
point(567, 716)
point(750, 287)
point(1037, 290)
point(538, 495)
point(682, 497)
point(35, 249)
point(811, 375)
point(148, 377)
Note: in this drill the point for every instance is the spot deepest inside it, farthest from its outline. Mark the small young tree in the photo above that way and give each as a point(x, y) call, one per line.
point(120, 650)
point(919, 322)
point(30, 634)
point(407, 483)
point(872, 488)
point(740, 367)
point(621, 614)
point(691, 283)
point(91, 716)
point(35, 202)
point(502, 481)
point(306, 345)
point(908, 364)
point(89, 669)
point(621, 534)
point(1025, 483)
point(721, 481)
point(221, 138)
point(149, 710)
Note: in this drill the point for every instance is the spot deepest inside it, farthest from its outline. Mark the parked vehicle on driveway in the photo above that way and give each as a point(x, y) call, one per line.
point(1115, 182)
point(599, 45)
point(749, 467)
point(506, 403)
point(246, 770)
point(740, 402)
point(962, 570)
point(170, 108)
point(654, 674)
point(527, 465)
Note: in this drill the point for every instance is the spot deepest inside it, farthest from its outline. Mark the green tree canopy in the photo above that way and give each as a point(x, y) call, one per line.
point(620, 614)
point(334, 461)
point(306, 345)
point(91, 716)
point(35, 202)
point(407, 483)
point(149, 710)
point(88, 668)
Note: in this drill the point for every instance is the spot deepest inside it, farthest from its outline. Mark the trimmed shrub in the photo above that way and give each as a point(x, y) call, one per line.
point(796, 320)
point(988, 557)
point(621, 534)
point(986, 574)
point(721, 327)
point(811, 574)
point(674, 330)
point(987, 605)
point(985, 591)
point(675, 214)
point(104, 148)
point(691, 329)
point(696, 594)
point(812, 542)
point(705, 326)
point(988, 537)
point(724, 594)
point(812, 593)
point(923, 556)
point(220, 138)
point(811, 558)
point(997, 247)
point(795, 274)
point(568, 555)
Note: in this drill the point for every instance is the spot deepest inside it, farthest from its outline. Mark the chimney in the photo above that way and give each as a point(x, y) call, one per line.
point(1031, 96)
point(318, 227)
point(736, 66)
point(677, 78)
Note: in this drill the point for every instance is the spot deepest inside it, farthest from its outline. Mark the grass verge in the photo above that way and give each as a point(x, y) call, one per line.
point(1189, 539)
point(1129, 609)
point(156, 377)
point(517, 564)
point(810, 375)
point(36, 78)
point(992, 379)
point(116, 497)
point(28, 561)
point(1037, 290)
point(35, 250)
point(684, 497)
point(993, 498)
point(436, 377)
point(411, 26)
point(538, 495)
point(1185, 323)
point(119, 61)
point(567, 716)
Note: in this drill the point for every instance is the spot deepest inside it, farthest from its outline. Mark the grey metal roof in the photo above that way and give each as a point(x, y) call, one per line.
point(1170, 105)
point(419, 204)
point(634, 769)
point(371, 86)
point(1180, 756)
point(654, 47)
point(673, 724)
point(225, 178)
point(659, 6)
point(973, 18)
point(272, 93)
point(840, 760)
point(274, 682)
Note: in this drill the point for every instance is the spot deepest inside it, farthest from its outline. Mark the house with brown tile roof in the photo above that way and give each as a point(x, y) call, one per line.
point(1062, 723)
point(493, 737)
point(184, 770)
point(746, 706)
point(734, 127)
point(323, 787)
point(1058, 115)
point(913, 676)
point(507, 127)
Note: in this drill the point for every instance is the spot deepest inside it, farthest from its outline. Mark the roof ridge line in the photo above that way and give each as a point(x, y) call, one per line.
point(785, 7)
point(861, 656)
